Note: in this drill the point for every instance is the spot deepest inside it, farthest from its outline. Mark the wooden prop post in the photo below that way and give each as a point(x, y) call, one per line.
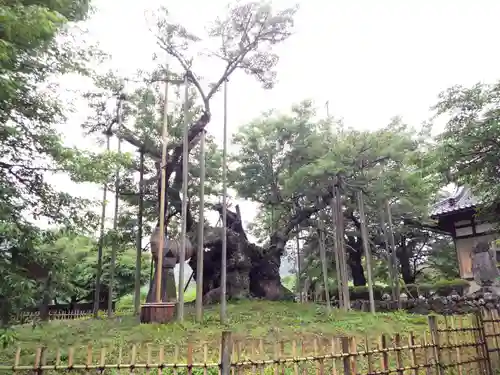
point(185, 176)
point(201, 228)
point(394, 257)
point(322, 253)
point(159, 311)
point(100, 246)
point(223, 276)
point(299, 266)
point(366, 248)
point(333, 205)
point(114, 246)
point(338, 218)
point(138, 257)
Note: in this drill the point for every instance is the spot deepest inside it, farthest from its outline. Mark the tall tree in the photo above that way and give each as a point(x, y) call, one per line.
point(468, 149)
point(285, 162)
point(248, 33)
point(37, 46)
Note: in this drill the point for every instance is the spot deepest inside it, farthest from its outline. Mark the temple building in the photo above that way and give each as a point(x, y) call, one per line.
point(456, 216)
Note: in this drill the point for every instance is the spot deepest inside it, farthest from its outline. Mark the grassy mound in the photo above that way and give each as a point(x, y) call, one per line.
point(270, 321)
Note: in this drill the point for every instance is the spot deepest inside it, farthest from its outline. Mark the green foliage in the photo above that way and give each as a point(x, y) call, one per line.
point(286, 162)
point(76, 281)
point(468, 149)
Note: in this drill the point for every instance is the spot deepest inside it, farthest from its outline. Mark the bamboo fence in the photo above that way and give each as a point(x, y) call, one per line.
point(452, 345)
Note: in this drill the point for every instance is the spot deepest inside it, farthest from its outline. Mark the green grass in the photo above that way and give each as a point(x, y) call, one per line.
point(270, 321)
point(253, 323)
point(126, 303)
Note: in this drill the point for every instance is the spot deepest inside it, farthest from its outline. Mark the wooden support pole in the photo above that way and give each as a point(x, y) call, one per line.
point(367, 250)
point(138, 255)
point(185, 176)
point(299, 266)
point(114, 245)
point(100, 246)
point(201, 227)
point(338, 270)
point(163, 198)
point(390, 267)
point(342, 252)
point(322, 252)
point(223, 277)
point(393, 254)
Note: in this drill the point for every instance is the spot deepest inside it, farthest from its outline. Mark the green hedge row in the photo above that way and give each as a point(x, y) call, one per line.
point(441, 288)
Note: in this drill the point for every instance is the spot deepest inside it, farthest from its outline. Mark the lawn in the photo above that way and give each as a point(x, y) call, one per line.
point(248, 320)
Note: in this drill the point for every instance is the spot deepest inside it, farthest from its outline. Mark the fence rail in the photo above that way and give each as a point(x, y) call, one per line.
point(452, 345)
point(28, 317)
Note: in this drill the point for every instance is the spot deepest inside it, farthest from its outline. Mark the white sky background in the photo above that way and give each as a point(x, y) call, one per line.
point(371, 60)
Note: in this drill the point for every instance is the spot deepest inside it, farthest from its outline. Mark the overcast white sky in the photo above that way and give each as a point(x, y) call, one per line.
point(370, 59)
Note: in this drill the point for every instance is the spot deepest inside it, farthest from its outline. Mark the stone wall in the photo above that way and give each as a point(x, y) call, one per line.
point(454, 304)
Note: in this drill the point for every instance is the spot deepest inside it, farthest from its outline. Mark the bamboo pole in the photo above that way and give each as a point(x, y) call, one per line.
point(185, 176)
point(223, 277)
point(138, 256)
point(366, 248)
point(201, 228)
point(114, 247)
point(101, 237)
point(163, 198)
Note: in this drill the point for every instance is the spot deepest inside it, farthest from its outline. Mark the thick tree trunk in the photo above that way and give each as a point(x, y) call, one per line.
point(252, 271)
point(406, 270)
point(45, 302)
point(356, 266)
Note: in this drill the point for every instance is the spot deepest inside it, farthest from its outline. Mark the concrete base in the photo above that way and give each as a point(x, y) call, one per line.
point(162, 312)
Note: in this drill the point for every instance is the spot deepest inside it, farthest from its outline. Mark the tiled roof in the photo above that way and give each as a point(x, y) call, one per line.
point(461, 199)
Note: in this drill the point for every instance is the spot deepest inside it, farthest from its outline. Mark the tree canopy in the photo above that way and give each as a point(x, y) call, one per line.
point(284, 162)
